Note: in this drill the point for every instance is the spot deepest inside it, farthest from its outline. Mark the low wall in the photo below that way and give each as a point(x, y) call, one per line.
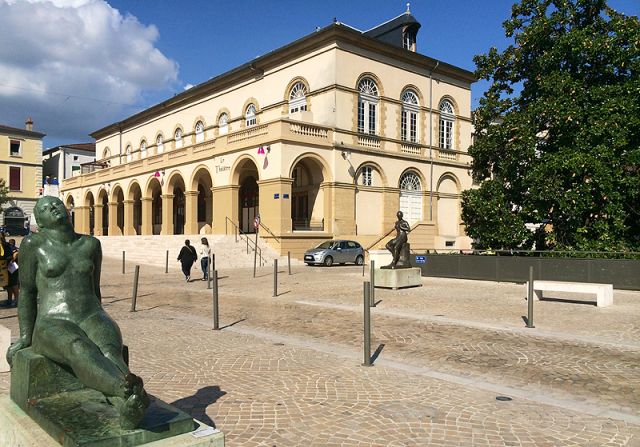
point(622, 273)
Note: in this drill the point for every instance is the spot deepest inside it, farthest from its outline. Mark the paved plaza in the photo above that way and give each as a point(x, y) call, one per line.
point(286, 370)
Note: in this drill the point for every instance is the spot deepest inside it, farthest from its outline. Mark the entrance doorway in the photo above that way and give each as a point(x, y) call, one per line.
point(249, 194)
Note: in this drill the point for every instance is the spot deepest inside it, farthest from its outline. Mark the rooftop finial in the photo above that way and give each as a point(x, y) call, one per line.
point(408, 5)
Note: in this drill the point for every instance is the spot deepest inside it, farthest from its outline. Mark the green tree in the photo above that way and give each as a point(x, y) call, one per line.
point(558, 130)
point(4, 192)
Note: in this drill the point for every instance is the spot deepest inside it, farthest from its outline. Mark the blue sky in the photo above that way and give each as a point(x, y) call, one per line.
point(93, 62)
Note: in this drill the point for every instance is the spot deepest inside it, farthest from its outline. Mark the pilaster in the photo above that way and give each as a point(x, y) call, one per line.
point(191, 212)
point(167, 214)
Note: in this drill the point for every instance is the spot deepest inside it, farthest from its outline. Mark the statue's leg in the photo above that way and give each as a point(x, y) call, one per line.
point(65, 342)
point(104, 332)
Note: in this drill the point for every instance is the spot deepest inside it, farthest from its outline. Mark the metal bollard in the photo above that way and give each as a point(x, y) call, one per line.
point(134, 295)
point(236, 230)
point(363, 265)
point(247, 244)
point(367, 324)
point(530, 300)
point(216, 319)
point(123, 262)
point(289, 261)
point(275, 277)
point(213, 261)
point(166, 263)
point(372, 270)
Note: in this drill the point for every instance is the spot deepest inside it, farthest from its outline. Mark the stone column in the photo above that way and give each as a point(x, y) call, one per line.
point(113, 219)
point(82, 220)
point(343, 201)
point(191, 212)
point(276, 213)
point(390, 206)
point(97, 219)
point(327, 193)
point(147, 216)
point(225, 204)
point(167, 214)
point(129, 229)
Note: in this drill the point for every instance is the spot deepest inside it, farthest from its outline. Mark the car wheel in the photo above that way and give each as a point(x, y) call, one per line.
point(359, 260)
point(309, 264)
point(328, 261)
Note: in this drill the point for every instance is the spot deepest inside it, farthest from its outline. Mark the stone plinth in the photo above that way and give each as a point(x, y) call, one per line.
point(398, 278)
point(5, 342)
point(17, 429)
point(78, 416)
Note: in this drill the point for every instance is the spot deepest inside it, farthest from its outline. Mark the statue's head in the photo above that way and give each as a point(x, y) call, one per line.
point(50, 212)
point(399, 215)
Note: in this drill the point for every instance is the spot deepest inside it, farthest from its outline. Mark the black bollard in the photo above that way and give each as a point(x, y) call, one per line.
point(289, 261)
point(216, 320)
point(275, 277)
point(372, 274)
point(367, 324)
point(530, 300)
point(166, 263)
point(134, 295)
point(123, 262)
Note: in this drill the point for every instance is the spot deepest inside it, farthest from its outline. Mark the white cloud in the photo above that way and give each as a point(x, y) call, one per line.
point(75, 65)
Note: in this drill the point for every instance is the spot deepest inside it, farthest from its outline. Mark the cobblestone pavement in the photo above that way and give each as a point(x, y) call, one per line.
point(285, 370)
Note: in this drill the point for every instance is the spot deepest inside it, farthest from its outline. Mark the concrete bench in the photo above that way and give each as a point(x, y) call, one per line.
point(603, 292)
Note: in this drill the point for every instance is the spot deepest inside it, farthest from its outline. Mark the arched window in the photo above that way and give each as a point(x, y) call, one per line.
point(159, 144)
point(447, 118)
point(106, 154)
point(143, 149)
point(366, 176)
point(409, 117)
point(411, 197)
point(199, 132)
point(298, 98)
point(223, 124)
point(250, 115)
point(367, 106)
point(178, 138)
point(128, 153)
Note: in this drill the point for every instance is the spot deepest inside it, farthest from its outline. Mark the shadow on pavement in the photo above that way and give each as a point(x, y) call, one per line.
point(377, 353)
point(233, 324)
point(197, 404)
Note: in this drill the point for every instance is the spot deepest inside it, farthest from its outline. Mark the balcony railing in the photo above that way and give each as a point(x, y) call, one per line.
point(366, 141)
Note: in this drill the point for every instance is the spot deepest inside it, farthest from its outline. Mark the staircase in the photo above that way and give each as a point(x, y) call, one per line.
point(151, 250)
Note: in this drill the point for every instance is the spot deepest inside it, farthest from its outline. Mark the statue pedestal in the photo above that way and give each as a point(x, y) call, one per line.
point(5, 342)
point(74, 415)
point(398, 278)
point(17, 429)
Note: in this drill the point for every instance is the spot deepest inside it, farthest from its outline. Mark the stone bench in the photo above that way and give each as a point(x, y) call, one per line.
point(603, 292)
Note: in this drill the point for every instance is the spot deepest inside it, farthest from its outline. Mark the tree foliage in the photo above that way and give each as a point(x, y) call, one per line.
point(4, 192)
point(558, 130)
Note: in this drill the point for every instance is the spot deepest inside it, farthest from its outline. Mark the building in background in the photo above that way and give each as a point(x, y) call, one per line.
point(326, 137)
point(21, 167)
point(64, 161)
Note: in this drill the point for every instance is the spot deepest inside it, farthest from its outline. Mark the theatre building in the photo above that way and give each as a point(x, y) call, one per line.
point(326, 137)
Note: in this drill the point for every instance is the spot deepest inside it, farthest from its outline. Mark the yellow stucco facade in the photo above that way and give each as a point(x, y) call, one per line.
point(21, 168)
point(327, 137)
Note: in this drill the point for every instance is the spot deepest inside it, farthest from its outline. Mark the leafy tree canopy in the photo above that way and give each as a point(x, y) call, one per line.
point(4, 192)
point(558, 130)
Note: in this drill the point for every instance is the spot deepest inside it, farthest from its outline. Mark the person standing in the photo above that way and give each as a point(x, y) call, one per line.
point(205, 253)
point(187, 257)
point(13, 287)
point(6, 254)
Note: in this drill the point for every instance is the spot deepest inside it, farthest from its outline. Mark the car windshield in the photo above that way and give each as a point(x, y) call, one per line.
point(327, 244)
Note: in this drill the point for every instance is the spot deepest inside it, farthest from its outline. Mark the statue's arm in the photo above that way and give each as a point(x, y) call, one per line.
point(97, 268)
point(28, 303)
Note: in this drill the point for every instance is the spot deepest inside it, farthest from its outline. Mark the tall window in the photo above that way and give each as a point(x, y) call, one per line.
point(409, 117)
point(178, 138)
point(223, 124)
point(367, 176)
point(14, 148)
point(409, 41)
point(143, 149)
point(159, 144)
point(298, 98)
point(250, 115)
point(447, 119)
point(199, 132)
point(128, 153)
point(367, 106)
point(15, 178)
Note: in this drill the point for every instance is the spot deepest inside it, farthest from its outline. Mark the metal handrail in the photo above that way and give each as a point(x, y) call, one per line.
point(269, 231)
point(246, 236)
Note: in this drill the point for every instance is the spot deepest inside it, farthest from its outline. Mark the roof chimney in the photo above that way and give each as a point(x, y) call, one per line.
point(28, 124)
